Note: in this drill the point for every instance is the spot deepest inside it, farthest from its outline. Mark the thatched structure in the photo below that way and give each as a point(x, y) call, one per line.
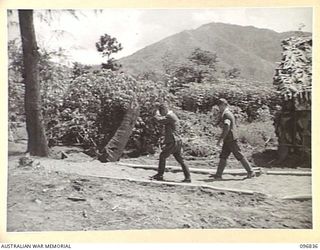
point(293, 79)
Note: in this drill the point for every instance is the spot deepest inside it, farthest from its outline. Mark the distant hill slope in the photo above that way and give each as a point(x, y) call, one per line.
point(254, 51)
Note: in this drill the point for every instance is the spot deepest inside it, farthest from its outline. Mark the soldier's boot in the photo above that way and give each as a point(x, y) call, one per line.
point(245, 163)
point(221, 166)
point(161, 169)
point(185, 169)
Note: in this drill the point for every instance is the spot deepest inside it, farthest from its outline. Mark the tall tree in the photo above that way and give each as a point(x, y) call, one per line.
point(37, 141)
point(199, 67)
point(231, 73)
point(204, 63)
point(108, 45)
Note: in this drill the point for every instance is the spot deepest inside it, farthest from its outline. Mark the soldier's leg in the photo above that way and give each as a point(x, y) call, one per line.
point(245, 163)
point(177, 155)
point(165, 153)
point(225, 152)
point(243, 160)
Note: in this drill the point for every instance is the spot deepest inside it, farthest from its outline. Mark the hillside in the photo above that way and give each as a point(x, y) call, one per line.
point(254, 51)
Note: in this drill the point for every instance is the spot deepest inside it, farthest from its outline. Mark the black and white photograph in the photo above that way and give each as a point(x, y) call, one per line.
point(159, 118)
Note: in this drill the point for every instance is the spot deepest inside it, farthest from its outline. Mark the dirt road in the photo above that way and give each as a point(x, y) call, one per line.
point(77, 193)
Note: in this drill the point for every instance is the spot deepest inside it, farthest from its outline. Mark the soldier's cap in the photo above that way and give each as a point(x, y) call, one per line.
point(222, 101)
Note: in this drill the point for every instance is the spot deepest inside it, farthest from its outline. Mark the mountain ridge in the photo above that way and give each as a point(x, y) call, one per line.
point(253, 50)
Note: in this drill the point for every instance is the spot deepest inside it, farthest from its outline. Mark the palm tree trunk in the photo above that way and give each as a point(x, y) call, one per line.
point(37, 142)
point(118, 142)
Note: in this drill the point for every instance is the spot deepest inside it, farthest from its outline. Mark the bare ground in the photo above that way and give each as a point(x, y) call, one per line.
point(78, 193)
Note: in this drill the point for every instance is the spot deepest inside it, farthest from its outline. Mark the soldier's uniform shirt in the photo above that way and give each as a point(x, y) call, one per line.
point(172, 141)
point(228, 118)
point(171, 122)
point(230, 141)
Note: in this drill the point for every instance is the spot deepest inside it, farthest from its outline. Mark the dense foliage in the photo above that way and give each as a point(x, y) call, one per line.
point(85, 107)
point(15, 82)
point(54, 79)
point(247, 96)
point(93, 106)
point(200, 131)
point(199, 67)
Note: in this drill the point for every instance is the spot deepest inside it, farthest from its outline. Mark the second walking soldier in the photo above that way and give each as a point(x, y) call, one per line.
point(230, 144)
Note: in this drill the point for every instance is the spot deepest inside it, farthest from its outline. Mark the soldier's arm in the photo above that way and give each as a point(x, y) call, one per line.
point(225, 129)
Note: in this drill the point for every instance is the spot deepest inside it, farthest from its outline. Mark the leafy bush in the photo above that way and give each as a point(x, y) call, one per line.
point(199, 147)
point(249, 97)
point(82, 107)
point(263, 114)
point(15, 82)
point(54, 80)
point(193, 125)
point(93, 106)
point(257, 134)
point(200, 131)
point(53, 77)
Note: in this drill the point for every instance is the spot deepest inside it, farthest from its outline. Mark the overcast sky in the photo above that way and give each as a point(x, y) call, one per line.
point(137, 28)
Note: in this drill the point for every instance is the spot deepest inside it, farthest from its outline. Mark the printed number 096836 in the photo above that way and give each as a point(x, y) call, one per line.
point(308, 246)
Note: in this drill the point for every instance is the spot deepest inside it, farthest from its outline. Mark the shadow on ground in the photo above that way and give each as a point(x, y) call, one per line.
point(270, 158)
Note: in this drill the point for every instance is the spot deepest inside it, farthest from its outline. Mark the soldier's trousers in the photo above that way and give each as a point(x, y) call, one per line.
point(173, 148)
